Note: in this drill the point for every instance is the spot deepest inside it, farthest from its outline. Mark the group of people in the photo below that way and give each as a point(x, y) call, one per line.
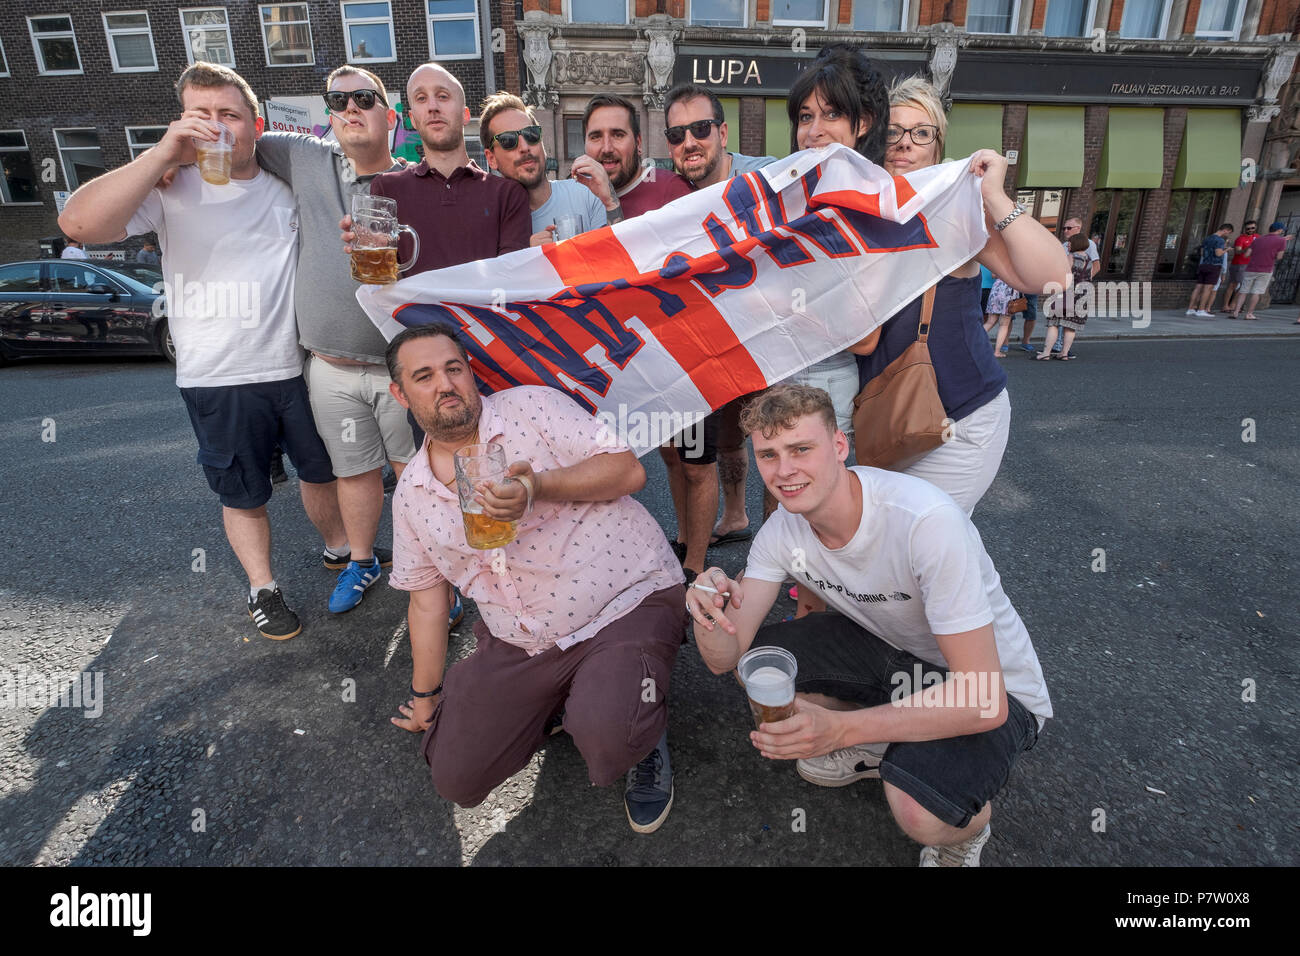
point(1242, 266)
point(581, 616)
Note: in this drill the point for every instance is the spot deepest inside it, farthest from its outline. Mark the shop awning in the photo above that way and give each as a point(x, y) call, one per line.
point(1211, 153)
point(972, 126)
point(1133, 156)
point(1053, 151)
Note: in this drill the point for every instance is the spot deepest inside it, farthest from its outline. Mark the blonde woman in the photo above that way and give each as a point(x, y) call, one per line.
point(972, 385)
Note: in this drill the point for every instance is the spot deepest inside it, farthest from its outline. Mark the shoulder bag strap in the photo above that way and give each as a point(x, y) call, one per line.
point(927, 308)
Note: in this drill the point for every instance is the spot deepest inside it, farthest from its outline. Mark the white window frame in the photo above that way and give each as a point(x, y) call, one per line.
point(4, 60)
point(110, 32)
point(347, 37)
point(130, 146)
point(26, 147)
point(1234, 34)
point(1089, 17)
point(263, 24)
point(1014, 23)
point(36, 46)
point(431, 18)
point(186, 28)
point(902, 17)
point(821, 24)
point(1166, 6)
point(67, 180)
point(627, 14)
point(744, 9)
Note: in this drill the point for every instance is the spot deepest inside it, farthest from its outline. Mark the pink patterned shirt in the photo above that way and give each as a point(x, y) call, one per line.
point(574, 566)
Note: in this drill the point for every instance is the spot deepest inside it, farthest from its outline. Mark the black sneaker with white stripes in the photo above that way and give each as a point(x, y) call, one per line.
point(272, 616)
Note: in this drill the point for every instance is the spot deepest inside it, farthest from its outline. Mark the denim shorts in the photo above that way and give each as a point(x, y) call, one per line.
point(239, 427)
point(951, 778)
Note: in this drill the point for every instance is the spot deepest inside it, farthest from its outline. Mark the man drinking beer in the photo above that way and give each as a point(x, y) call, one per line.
point(581, 612)
point(921, 673)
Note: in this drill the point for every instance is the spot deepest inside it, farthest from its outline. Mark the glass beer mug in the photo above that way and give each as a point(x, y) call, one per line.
point(476, 464)
point(374, 248)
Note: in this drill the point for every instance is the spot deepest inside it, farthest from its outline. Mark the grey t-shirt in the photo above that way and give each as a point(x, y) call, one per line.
point(570, 198)
point(741, 164)
point(330, 321)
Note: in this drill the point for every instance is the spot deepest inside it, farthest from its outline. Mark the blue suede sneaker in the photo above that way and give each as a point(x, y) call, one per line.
point(457, 609)
point(649, 793)
point(353, 581)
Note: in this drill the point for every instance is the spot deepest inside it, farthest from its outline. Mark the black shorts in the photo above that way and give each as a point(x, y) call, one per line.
point(698, 444)
point(239, 427)
point(952, 778)
point(1207, 273)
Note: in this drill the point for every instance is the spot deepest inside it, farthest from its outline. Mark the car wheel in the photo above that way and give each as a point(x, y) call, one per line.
point(163, 338)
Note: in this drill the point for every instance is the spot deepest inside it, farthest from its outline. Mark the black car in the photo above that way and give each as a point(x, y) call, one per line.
point(74, 307)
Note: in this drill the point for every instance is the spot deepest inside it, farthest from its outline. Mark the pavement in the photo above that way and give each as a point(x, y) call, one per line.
point(1172, 671)
point(1176, 324)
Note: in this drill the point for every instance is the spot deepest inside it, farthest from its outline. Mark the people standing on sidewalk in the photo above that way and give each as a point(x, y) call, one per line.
point(1002, 300)
point(1069, 309)
point(1237, 264)
point(1074, 227)
point(1263, 256)
point(1209, 271)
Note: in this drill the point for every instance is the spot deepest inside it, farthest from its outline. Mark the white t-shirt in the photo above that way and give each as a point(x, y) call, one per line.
point(570, 198)
point(915, 568)
point(228, 259)
point(1093, 256)
point(73, 252)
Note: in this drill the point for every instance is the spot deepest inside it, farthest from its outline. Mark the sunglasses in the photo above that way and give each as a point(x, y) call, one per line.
point(508, 139)
point(700, 129)
point(337, 100)
point(922, 135)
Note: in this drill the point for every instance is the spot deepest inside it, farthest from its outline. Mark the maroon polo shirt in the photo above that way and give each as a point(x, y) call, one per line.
point(468, 216)
point(657, 188)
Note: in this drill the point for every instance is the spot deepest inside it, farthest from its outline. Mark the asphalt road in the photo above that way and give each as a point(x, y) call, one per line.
point(216, 746)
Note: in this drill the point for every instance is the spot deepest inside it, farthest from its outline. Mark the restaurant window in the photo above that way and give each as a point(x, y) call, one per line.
point(80, 155)
point(130, 41)
point(286, 34)
point(19, 182)
point(368, 30)
point(881, 16)
point(718, 13)
point(799, 13)
point(1113, 226)
point(597, 11)
point(207, 35)
point(1069, 18)
point(140, 138)
point(1045, 205)
point(1190, 220)
point(55, 44)
point(1144, 19)
point(574, 143)
point(992, 16)
point(1220, 19)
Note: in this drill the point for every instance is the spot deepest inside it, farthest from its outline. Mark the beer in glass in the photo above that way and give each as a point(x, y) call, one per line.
point(376, 233)
point(768, 674)
point(214, 158)
point(476, 464)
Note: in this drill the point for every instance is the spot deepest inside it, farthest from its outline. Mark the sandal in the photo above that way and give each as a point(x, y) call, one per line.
point(1043, 357)
point(1066, 357)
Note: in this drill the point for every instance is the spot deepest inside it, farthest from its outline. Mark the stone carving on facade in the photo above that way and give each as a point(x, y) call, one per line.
point(943, 61)
point(591, 68)
point(538, 56)
point(660, 57)
point(1276, 73)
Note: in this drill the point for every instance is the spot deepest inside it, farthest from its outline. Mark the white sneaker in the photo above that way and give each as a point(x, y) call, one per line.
point(959, 854)
point(1205, 315)
point(1190, 312)
point(839, 768)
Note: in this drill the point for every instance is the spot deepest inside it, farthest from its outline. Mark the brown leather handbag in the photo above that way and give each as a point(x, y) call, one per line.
point(898, 417)
point(1017, 305)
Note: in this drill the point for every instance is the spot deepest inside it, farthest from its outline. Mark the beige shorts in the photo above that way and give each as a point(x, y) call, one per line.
point(1256, 283)
point(358, 419)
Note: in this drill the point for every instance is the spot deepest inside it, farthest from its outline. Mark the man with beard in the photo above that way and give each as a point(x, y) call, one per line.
point(581, 611)
point(611, 129)
point(697, 141)
point(514, 146)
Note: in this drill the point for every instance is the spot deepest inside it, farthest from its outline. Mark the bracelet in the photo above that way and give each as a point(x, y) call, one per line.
point(426, 693)
point(1011, 217)
point(528, 487)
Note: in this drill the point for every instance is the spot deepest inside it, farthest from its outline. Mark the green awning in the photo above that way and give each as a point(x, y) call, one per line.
point(972, 126)
point(1211, 153)
point(1133, 156)
point(1053, 150)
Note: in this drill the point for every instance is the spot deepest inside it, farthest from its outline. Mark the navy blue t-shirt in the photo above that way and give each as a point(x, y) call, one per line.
point(1208, 245)
point(967, 373)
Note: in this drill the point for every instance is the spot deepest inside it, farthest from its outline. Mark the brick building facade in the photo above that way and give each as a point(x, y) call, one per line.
point(76, 100)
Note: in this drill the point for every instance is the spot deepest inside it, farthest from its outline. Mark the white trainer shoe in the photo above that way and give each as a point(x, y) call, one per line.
point(959, 854)
point(1190, 312)
point(839, 768)
point(1204, 315)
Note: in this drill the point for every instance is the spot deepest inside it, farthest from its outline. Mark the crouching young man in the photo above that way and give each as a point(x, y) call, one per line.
point(920, 673)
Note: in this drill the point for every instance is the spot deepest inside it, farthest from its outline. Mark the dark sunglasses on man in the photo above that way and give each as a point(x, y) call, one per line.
point(700, 129)
point(337, 100)
point(508, 139)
